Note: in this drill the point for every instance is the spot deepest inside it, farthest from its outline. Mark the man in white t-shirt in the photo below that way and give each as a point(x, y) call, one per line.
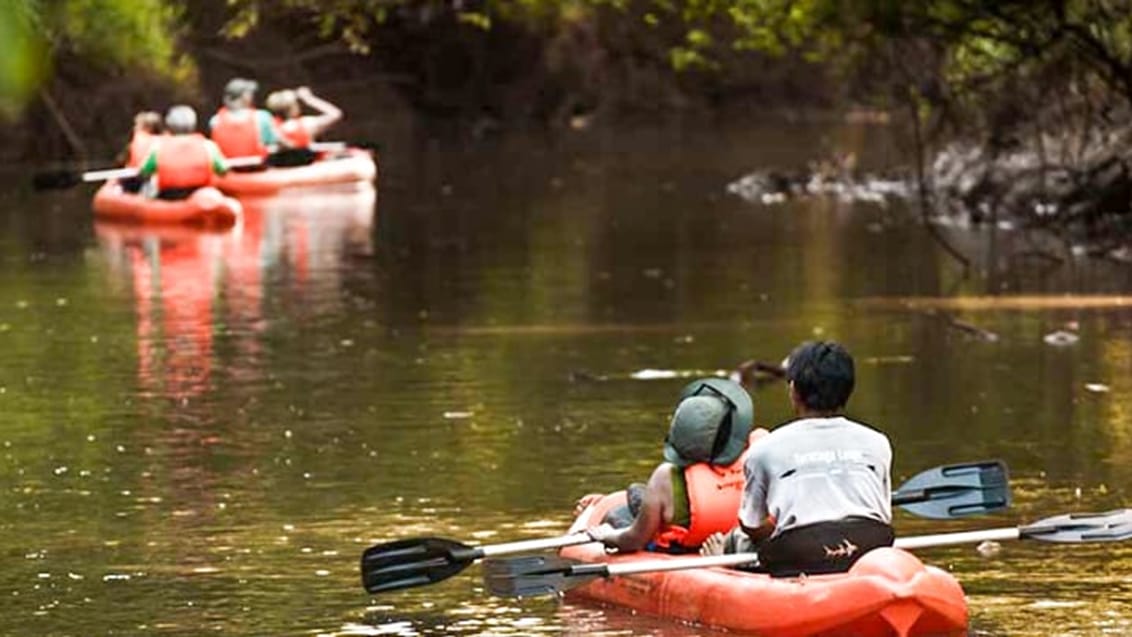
point(818, 489)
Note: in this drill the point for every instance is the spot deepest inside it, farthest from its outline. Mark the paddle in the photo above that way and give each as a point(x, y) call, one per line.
point(294, 157)
point(942, 492)
point(956, 490)
point(336, 146)
point(419, 561)
point(550, 574)
point(63, 179)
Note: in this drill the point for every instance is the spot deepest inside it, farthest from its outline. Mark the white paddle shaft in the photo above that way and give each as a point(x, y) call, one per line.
point(734, 559)
point(111, 173)
point(525, 546)
point(651, 566)
point(126, 173)
point(961, 537)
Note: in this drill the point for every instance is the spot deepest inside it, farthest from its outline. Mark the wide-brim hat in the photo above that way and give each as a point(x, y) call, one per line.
point(695, 430)
point(740, 408)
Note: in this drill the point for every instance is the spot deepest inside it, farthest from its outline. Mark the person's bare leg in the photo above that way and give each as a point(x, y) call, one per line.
point(714, 544)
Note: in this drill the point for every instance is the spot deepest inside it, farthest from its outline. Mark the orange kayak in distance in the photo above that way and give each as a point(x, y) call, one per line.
point(887, 593)
point(205, 208)
point(353, 166)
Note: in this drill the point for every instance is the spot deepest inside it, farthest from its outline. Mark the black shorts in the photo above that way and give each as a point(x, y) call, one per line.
point(132, 184)
point(175, 194)
point(826, 547)
point(289, 157)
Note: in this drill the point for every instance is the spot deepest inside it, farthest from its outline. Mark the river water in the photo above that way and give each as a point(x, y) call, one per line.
point(201, 433)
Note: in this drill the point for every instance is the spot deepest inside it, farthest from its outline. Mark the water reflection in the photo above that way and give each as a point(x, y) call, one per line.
point(191, 287)
point(208, 430)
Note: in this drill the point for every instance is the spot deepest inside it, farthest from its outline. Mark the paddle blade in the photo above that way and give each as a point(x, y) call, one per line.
point(55, 180)
point(413, 562)
point(532, 575)
point(1111, 526)
point(956, 490)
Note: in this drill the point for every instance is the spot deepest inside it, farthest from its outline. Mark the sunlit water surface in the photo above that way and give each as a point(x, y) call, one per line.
point(201, 433)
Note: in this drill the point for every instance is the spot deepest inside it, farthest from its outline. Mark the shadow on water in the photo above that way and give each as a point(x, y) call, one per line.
point(202, 432)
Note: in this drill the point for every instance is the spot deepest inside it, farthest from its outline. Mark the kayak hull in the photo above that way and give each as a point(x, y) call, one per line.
point(205, 208)
point(354, 166)
point(887, 593)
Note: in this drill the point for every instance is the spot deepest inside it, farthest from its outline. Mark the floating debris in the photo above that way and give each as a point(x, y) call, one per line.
point(989, 548)
point(653, 374)
point(458, 415)
point(1097, 388)
point(1061, 338)
point(581, 375)
point(754, 372)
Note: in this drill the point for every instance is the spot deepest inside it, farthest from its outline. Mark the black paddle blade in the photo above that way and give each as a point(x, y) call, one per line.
point(956, 490)
point(1110, 526)
point(532, 575)
point(291, 157)
point(414, 562)
point(366, 145)
point(55, 180)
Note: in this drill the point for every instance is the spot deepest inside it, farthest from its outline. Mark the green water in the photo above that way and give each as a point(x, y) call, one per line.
point(201, 433)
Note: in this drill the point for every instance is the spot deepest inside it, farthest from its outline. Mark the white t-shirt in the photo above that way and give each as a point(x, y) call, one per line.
point(817, 470)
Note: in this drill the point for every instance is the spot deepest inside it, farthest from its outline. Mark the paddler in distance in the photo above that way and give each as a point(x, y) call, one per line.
point(147, 128)
point(183, 160)
point(298, 129)
point(239, 128)
point(695, 492)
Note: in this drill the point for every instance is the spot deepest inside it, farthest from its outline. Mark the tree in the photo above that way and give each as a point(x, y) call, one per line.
point(139, 35)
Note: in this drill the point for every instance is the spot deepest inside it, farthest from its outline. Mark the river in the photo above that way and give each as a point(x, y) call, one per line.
point(201, 433)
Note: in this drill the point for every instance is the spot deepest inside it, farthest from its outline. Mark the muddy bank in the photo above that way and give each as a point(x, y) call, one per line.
point(1078, 187)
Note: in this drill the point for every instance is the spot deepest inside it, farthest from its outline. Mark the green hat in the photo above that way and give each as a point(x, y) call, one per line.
point(728, 433)
point(694, 429)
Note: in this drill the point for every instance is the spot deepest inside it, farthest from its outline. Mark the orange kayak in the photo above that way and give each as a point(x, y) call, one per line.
point(205, 208)
point(887, 593)
point(354, 166)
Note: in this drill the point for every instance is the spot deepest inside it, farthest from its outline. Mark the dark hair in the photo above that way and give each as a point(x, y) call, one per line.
point(822, 373)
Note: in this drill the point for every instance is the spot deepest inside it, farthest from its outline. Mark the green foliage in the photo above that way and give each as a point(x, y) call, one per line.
point(139, 34)
point(134, 34)
point(21, 54)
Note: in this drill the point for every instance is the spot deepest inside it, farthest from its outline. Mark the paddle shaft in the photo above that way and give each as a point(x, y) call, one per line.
point(961, 537)
point(328, 147)
point(526, 546)
point(735, 559)
point(958, 490)
point(126, 173)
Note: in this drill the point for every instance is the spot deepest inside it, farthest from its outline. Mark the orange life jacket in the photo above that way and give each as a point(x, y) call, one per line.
point(714, 495)
point(183, 161)
point(293, 131)
point(140, 146)
point(237, 133)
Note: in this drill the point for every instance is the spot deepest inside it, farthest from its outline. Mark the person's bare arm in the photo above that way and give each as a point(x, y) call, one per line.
point(753, 506)
point(656, 510)
point(328, 113)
